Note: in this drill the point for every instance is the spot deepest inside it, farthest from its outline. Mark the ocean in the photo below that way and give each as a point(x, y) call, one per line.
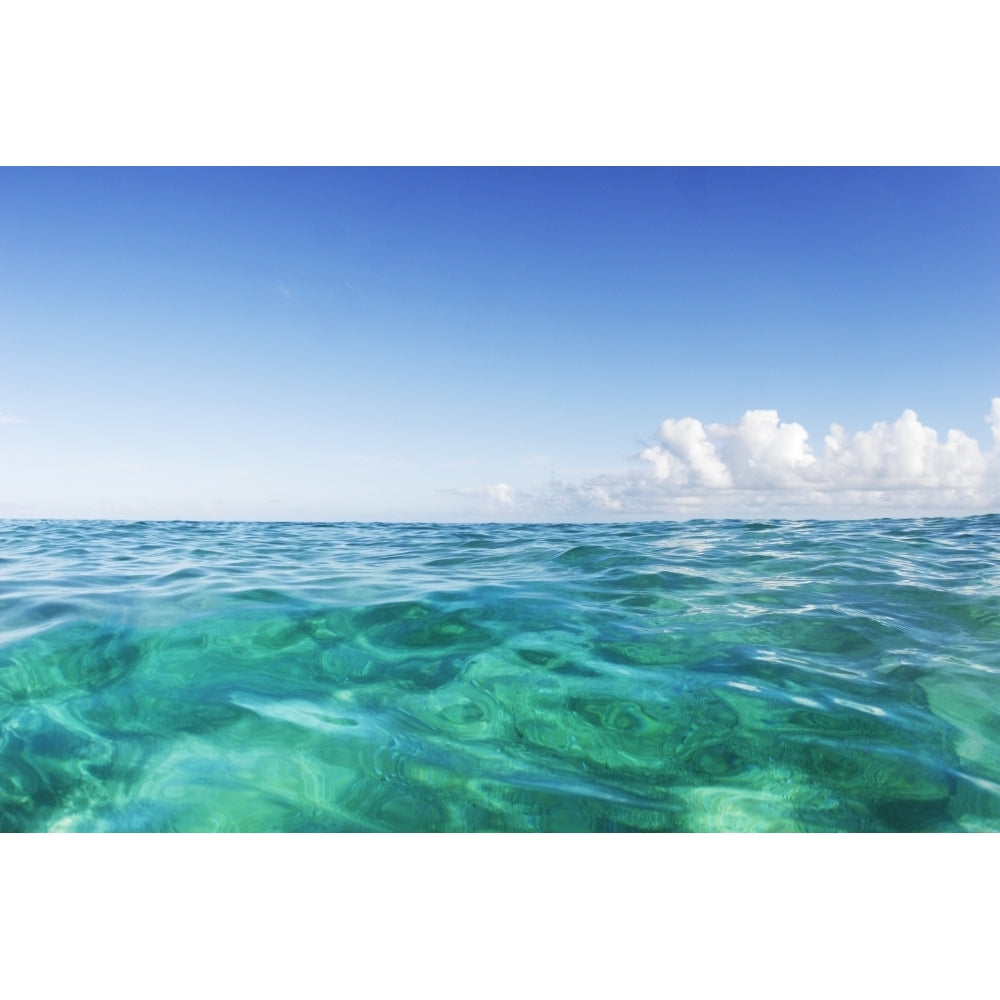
point(699, 676)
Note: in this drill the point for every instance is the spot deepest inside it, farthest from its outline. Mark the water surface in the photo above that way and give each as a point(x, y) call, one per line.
point(705, 676)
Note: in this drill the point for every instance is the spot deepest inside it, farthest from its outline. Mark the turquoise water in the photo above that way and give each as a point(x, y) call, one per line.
point(711, 675)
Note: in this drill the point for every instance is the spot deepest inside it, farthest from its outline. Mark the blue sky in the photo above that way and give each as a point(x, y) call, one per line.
point(516, 344)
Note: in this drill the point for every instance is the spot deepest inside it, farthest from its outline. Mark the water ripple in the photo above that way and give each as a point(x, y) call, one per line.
point(713, 675)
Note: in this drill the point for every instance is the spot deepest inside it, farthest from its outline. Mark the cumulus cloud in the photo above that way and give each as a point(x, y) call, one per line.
point(757, 452)
point(902, 454)
point(500, 494)
point(761, 463)
point(763, 452)
point(993, 419)
point(687, 456)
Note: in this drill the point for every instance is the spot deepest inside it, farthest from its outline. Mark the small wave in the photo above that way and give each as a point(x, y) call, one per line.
point(714, 675)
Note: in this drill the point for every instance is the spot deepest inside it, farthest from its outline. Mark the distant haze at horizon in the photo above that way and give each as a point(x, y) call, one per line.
point(499, 344)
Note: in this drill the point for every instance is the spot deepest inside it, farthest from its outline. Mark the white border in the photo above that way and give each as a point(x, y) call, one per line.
point(548, 82)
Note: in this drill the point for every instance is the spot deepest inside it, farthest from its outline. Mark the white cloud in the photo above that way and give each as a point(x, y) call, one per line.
point(594, 495)
point(758, 452)
point(689, 456)
point(9, 418)
point(993, 419)
point(501, 493)
point(761, 465)
point(763, 452)
point(905, 453)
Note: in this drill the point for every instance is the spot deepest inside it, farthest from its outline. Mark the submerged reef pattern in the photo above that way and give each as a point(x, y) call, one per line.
point(704, 676)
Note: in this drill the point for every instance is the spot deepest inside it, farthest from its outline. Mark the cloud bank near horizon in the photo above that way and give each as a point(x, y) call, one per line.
point(760, 452)
point(761, 464)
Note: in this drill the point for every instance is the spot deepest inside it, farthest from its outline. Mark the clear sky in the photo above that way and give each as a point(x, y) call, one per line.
point(509, 344)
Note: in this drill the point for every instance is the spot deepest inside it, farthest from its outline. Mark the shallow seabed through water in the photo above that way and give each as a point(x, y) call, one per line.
point(704, 676)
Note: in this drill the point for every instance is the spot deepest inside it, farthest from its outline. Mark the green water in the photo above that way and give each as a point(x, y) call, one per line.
point(707, 676)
